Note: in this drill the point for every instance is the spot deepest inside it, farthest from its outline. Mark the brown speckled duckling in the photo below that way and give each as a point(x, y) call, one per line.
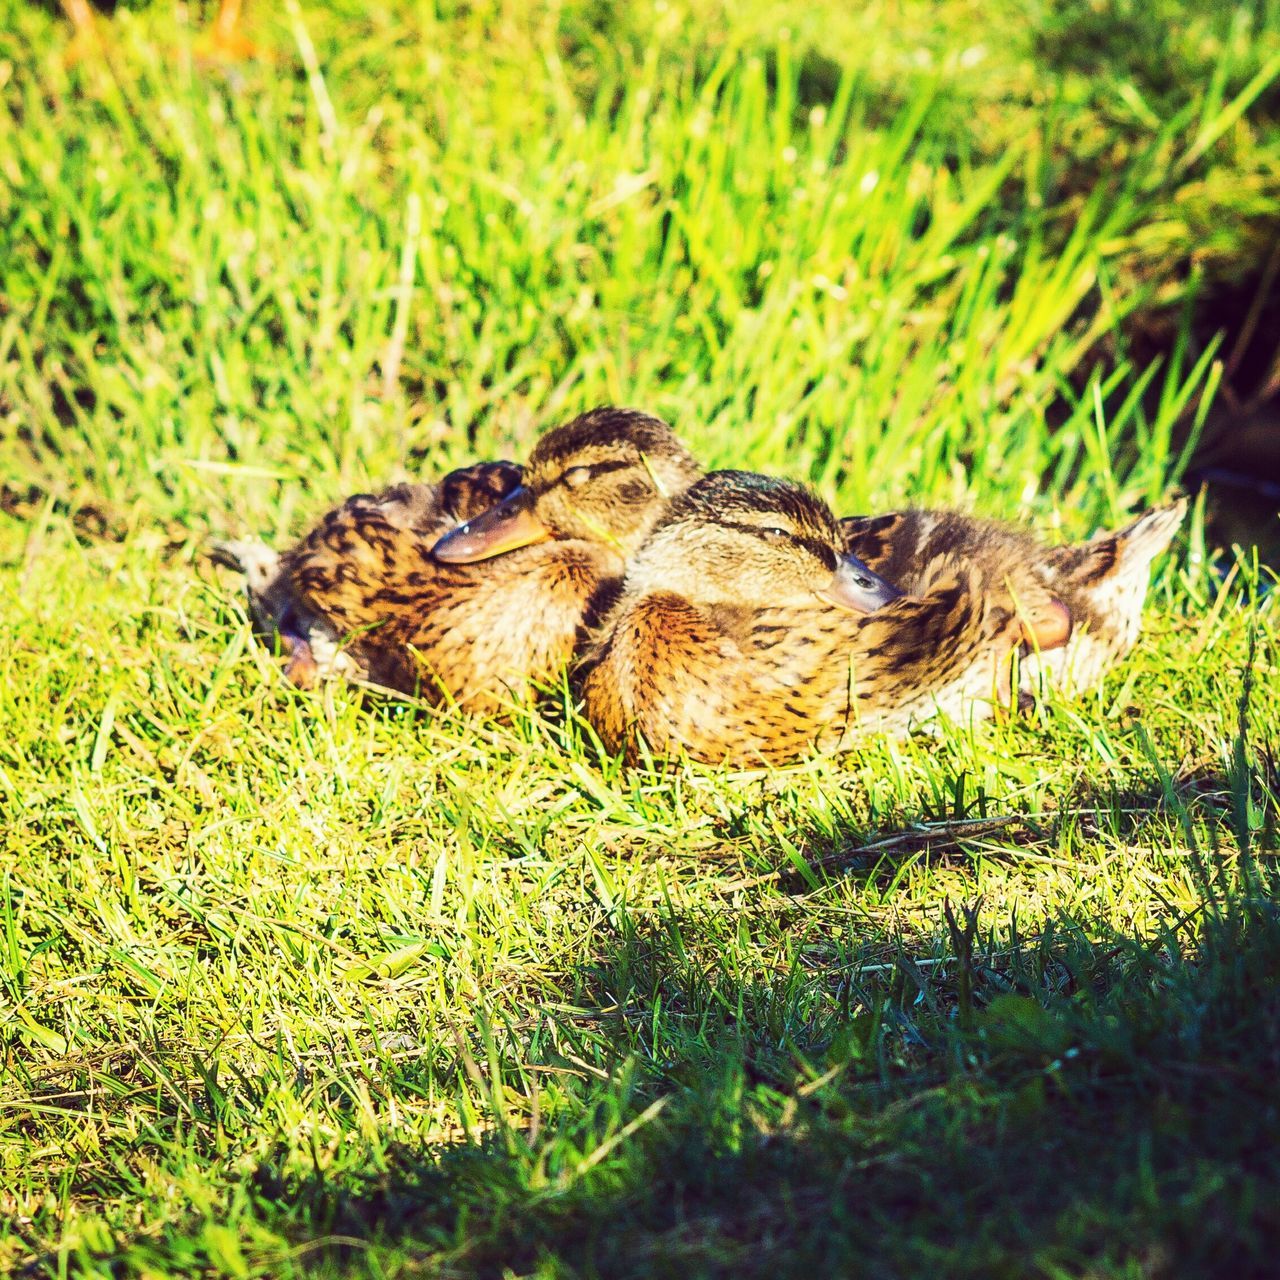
point(313, 645)
point(1099, 585)
point(500, 600)
point(729, 644)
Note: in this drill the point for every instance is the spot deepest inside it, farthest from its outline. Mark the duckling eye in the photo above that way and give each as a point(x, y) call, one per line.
point(777, 535)
point(576, 477)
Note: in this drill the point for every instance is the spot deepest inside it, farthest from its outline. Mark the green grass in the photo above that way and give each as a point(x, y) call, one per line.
point(313, 984)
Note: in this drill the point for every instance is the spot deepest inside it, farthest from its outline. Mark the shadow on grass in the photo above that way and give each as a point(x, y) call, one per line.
point(1052, 1100)
point(1061, 1103)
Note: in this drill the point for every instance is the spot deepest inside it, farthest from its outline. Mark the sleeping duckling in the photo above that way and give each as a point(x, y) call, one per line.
point(313, 646)
point(1096, 588)
point(501, 600)
point(746, 633)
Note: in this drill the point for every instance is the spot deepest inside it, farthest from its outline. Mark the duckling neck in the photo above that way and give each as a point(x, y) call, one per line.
point(662, 567)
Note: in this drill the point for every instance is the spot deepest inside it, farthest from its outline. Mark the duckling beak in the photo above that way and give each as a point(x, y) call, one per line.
point(856, 588)
point(511, 524)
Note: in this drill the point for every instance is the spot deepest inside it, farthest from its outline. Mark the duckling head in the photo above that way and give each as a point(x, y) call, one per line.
point(605, 477)
point(736, 538)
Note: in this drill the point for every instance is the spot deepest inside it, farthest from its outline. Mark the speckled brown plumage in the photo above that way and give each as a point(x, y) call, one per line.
point(479, 632)
point(720, 645)
point(367, 553)
point(1102, 583)
point(474, 634)
point(311, 639)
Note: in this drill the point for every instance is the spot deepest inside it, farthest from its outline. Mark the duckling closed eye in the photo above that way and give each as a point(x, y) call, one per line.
point(605, 478)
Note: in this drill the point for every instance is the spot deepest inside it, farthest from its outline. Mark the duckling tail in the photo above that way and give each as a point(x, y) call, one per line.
point(1148, 535)
point(1104, 585)
point(1123, 557)
point(257, 561)
point(260, 566)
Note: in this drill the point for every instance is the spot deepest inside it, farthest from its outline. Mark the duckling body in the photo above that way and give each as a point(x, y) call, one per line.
point(1101, 584)
point(723, 644)
point(476, 635)
point(337, 559)
point(474, 589)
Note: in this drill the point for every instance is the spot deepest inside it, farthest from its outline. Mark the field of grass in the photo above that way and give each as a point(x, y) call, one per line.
point(321, 984)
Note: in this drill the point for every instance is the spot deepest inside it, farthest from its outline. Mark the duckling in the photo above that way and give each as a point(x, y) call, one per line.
point(746, 633)
point(1087, 597)
point(502, 599)
point(313, 647)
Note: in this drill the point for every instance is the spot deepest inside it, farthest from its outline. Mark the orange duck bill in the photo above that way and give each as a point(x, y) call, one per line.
point(511, 524)
point(856, 588)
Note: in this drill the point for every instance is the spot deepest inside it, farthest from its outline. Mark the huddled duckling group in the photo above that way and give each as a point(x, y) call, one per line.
point(726, 616)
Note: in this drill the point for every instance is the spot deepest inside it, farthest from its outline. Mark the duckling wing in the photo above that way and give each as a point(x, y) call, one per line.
point(461, 495)
point(825, 678)
point(912, 650)
point(908, 546)
point(374, 545)
point(1015, 565)
point(471, 491)
point(888, 544)
point(359, 564)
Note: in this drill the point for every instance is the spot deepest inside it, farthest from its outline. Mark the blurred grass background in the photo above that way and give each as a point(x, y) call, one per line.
point(788, 230)
point(297, 984)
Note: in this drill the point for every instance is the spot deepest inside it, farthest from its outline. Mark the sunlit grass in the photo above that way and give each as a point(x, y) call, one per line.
point(295, 982)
